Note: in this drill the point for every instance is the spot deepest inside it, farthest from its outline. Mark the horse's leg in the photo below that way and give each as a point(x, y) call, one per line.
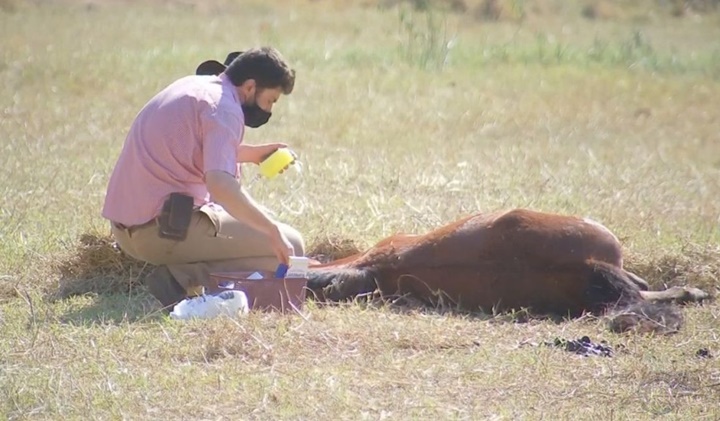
point(679, 295)
point(640, 282)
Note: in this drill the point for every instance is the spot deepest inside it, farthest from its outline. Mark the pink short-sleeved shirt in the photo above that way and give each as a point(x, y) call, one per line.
point(193, 126)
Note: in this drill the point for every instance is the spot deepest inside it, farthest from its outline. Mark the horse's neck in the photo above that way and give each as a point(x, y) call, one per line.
point(412, 249)
point(382, 254)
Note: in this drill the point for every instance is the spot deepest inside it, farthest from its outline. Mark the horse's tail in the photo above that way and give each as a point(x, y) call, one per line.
point(339, 284)
point(613, 291)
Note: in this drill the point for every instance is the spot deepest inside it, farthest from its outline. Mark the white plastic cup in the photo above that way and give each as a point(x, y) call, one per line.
point(298, 267)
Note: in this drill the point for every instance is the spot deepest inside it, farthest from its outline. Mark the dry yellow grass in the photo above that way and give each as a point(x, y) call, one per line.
point(398, 131)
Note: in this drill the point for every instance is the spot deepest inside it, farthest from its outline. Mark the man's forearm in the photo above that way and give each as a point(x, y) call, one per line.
point(226, 191)
point(245, 154)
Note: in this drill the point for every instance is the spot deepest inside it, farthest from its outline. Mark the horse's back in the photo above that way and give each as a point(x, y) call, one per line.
point(512, 236)
point(547, 238)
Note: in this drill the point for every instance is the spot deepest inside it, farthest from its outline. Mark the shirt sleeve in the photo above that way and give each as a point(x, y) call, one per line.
point(221, 135)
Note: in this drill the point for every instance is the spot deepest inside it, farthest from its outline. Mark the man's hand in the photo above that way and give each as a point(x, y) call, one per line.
point(257, 153)
point(281, 245)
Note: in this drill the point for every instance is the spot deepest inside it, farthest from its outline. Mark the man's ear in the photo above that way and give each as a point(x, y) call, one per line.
point(248, 89)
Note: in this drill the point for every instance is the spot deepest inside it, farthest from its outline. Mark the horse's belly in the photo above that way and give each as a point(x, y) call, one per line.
point(494, 287)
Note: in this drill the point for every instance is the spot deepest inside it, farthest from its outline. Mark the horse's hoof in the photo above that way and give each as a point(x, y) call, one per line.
point(691, 295)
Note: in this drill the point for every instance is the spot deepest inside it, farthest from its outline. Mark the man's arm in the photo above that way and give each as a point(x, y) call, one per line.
point(226, 191)
point(256, 153)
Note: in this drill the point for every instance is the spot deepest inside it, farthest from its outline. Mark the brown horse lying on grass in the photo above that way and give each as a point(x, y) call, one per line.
point(520, 259)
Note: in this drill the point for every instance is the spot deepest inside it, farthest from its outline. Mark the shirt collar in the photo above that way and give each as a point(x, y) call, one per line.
point(229, 85)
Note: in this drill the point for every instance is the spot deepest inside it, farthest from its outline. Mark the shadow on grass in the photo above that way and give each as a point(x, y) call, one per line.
point(96, 266)
point(115, 309)
point(411, 305)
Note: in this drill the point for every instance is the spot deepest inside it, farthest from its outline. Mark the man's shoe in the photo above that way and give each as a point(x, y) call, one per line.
point(163, 286)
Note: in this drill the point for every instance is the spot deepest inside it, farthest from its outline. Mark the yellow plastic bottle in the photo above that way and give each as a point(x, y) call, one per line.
point(276, 162)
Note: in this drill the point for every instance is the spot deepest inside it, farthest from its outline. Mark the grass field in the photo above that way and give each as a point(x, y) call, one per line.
point(404, 121)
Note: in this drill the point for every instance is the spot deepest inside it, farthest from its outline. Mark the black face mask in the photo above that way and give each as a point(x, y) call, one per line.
point(255, 116)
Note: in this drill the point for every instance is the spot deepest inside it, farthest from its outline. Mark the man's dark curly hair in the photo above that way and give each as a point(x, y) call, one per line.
point(266, 66)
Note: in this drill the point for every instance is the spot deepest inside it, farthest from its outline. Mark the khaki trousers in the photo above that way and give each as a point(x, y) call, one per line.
point(216, 242)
